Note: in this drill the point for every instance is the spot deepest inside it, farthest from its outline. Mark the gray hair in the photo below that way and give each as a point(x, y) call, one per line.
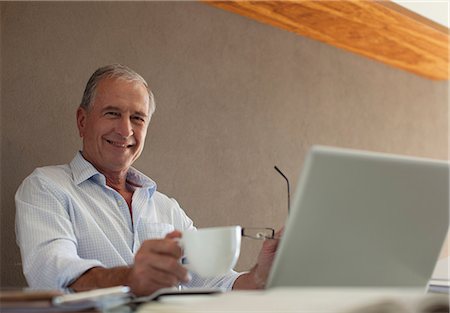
point(118, 71)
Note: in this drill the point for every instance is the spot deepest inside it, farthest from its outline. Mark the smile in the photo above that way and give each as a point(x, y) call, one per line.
point(119, 144)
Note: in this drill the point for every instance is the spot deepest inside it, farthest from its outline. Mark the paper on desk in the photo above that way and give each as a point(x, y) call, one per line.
point(440, 282)
point(440, 279)
point(317, 300)
point(441, 271)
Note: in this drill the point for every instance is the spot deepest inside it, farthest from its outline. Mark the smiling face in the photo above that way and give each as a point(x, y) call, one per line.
point(114, 127)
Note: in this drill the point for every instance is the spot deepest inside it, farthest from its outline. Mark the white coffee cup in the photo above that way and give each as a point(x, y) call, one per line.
point(211, 252)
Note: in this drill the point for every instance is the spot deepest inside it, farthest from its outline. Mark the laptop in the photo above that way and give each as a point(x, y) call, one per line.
point(361, 218)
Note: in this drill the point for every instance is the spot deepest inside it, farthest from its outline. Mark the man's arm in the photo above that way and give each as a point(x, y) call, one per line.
point(100, 277)
point(45, 234)
point(156, 266)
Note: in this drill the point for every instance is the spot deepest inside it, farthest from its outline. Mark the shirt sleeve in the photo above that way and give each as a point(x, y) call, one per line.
point(45, 235)
point(225, 282)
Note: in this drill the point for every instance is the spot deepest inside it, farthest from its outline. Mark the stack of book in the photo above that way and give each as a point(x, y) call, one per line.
point(55, 301)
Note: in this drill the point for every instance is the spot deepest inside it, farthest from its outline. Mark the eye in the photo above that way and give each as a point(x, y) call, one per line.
point(138, 119)
point(112, 114)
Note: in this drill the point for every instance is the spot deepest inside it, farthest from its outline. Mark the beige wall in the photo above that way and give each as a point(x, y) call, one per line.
point(235, 97)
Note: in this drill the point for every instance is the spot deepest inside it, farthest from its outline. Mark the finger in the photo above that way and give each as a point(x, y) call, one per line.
point(147, 280)
point(164, 254)
point(174, 234)
point(270, 246)
point(279, 233)
point(164, 279)
point(162, 246)
point(170, 266)
point(147, 260)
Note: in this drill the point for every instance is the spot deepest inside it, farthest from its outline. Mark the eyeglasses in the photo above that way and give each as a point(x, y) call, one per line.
point(266, 232)
point(258, 233)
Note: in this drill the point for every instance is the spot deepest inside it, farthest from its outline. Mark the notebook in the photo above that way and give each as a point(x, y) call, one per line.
point(362, 218)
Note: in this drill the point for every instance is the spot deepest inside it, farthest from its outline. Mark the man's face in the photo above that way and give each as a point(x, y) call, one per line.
point(115, 126)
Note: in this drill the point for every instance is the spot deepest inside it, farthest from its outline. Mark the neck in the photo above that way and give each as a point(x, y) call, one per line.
point(116, 181)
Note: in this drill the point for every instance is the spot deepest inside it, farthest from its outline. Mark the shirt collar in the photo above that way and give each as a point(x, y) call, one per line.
point(83, 170)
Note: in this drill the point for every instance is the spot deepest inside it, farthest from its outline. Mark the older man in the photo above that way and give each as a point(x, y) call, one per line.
point(98, 222)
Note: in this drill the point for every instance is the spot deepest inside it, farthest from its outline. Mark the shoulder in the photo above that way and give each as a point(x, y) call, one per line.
point(51, 173)
point(45, 187)
point(48, 177)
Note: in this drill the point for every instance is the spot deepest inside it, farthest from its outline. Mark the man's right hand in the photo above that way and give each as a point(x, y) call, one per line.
point(156, 266)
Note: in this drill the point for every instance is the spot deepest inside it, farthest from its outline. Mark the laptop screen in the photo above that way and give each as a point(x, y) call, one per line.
point(364, 219)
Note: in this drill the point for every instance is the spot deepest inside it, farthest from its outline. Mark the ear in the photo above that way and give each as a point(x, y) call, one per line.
point(81, 120)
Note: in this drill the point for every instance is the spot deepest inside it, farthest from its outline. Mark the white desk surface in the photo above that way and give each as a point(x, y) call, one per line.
point(304, 300)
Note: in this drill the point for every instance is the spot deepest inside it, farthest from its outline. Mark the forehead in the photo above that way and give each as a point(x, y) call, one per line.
point(122, 92)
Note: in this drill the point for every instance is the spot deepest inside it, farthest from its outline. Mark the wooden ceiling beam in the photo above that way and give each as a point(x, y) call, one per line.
point(380, 30)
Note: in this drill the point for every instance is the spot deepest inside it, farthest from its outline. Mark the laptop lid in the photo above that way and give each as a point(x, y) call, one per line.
point(364, 219)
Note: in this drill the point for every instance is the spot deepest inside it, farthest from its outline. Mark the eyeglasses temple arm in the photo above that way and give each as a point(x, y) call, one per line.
point(288, 186)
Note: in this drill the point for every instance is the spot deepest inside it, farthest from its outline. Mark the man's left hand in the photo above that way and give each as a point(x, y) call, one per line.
point(257, 277)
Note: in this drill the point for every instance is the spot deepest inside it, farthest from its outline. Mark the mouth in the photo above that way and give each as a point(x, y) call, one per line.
point(119, 144)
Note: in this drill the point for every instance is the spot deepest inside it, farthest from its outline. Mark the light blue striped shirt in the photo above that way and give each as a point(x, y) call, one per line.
point(68, 221)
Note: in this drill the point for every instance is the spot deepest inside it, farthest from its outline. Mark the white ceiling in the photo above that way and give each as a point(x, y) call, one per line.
point(435, 10)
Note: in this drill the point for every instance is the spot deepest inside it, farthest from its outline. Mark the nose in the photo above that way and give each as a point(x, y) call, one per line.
point(124, 127)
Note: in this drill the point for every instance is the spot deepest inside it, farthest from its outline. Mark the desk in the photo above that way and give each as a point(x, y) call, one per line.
point(304, 300)
point(284, 300)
